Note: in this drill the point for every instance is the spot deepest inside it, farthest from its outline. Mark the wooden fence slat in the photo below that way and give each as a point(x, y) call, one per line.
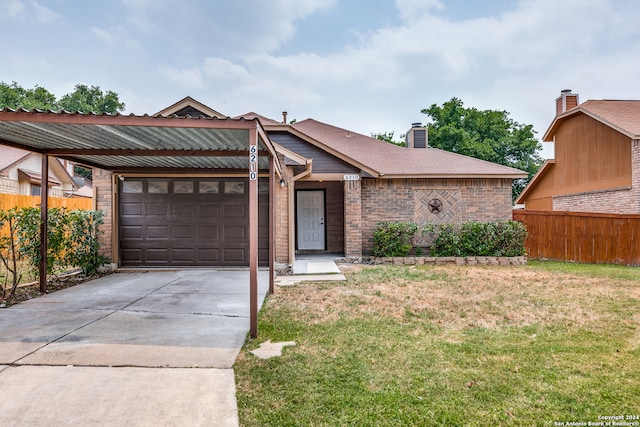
point(581, 236)
point(8, 201)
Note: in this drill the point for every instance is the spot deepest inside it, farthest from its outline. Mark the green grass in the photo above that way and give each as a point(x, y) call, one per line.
point(448, 346)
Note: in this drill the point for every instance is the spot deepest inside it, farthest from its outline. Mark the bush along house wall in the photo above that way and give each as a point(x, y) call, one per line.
point(470, 243)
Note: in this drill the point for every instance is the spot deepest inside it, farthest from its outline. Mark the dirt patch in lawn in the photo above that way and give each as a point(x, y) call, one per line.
point(462, 296)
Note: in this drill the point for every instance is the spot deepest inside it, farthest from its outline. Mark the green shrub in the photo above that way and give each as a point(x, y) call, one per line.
point(505, 239)
point(393, 238)
point(72, 238)
point(83, 241)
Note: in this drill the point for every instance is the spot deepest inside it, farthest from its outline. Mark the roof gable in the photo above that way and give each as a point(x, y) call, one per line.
point(10, 156)
point(623, 116)
point(191, 107)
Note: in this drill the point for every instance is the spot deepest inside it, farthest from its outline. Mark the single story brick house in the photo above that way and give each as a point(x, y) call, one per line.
point(177, 187)
point(336, 185)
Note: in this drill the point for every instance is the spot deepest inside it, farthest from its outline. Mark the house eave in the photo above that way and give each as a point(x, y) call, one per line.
point(452, 176)
point(558, 120)
point(534, 181)
point(324, 147)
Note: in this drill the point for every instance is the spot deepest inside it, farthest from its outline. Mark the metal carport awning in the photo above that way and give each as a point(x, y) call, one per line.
point(130, 143)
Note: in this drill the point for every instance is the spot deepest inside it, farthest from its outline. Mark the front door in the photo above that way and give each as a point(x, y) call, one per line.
point(310, 220)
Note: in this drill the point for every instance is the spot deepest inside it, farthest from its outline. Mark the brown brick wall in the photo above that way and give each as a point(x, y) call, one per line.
point(282, 217)
point(353, 219)
point(104, 202)
point(408, 200)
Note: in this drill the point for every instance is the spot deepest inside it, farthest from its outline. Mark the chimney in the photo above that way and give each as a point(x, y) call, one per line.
point(417, 136)
point(284, 117)
point(566, 101)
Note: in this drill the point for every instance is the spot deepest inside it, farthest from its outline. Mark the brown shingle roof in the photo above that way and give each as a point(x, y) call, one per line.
point(624, 116)
point(265, 121)
point(390, 160)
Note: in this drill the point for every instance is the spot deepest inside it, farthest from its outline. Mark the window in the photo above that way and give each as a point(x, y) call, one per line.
point(132, 186)
point(209, 187)
point(36, 190)
point(158, 187)
point(234, 187)
point(183, 187)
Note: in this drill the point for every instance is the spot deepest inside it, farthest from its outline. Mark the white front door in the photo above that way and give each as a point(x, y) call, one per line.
point(310, 219)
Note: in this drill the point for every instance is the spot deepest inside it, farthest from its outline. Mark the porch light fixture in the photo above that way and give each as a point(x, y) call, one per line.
point(282, 182)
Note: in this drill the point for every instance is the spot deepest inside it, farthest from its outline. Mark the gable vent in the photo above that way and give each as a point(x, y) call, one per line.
point(417, 136)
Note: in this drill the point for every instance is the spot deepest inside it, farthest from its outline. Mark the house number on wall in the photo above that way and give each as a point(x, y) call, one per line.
point(253, 162)
point(353, 177)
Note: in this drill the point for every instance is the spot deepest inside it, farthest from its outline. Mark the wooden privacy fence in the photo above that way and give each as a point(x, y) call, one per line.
point(581, 237)
point(8, 201)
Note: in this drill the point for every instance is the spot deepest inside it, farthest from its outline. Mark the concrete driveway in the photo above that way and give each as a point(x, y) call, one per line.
point(153, 348)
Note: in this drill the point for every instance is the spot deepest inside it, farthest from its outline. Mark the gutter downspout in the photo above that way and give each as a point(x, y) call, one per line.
point(292, 222)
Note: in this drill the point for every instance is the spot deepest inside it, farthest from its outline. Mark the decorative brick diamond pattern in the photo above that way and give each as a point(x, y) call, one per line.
point(450, 208)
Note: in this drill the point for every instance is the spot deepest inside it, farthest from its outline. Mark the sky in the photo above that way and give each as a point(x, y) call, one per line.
point(369, 66)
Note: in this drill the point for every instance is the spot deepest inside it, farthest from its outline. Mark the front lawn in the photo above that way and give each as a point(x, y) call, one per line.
point(543, 344)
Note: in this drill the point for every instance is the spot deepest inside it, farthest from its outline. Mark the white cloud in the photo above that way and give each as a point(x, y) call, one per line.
point(232, 27)
point(13, 8)
point(184, 78)
point(103, 35)
point(29, 10)
point(223, 69)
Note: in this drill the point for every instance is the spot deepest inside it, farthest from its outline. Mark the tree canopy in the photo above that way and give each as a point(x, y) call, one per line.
point(388, 137)
point(485, 134)
point(84, 99)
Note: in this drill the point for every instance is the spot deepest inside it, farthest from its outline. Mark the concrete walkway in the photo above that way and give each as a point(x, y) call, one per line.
point(143, 349)
point(312, 268)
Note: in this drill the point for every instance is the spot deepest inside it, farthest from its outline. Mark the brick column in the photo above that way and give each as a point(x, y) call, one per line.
point(635, 174)
point(103, 201)
point(352, 219)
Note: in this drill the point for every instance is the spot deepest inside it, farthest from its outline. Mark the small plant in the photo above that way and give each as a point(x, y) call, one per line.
point(9, 252)
point(83, 236)
point(72, 240)
point(393, 238)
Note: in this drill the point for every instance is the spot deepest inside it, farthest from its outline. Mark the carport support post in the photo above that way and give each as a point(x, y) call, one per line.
point(44, 202)
point(272, 210)
point(253, 232)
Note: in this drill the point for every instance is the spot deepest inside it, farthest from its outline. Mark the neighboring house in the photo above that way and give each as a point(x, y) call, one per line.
point(20, 173)
point(597, 159)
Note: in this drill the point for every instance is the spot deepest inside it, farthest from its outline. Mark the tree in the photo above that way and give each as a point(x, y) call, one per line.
point(83, 99)
point(488, 135)
point(91, 99)
point(15, 97)
point(388, 137)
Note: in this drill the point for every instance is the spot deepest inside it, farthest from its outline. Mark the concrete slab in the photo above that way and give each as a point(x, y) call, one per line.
point(269, 349)
point(63, 347)
point(80, 396)
point(315, 266)
point(295, 279)
point(149, 339)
